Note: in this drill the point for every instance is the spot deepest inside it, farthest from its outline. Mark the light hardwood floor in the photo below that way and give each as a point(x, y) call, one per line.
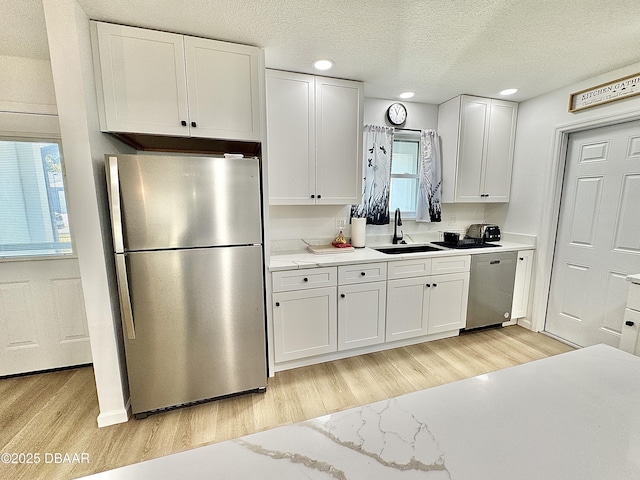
point(56, 412)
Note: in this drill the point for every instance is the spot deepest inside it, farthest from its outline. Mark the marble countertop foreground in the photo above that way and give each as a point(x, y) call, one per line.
point(575, 416)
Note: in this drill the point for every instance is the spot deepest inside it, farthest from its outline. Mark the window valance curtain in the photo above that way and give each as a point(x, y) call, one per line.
point(377, 147)
point(429, 207)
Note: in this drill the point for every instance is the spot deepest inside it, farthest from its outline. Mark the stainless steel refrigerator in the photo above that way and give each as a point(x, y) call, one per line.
point(187, 233)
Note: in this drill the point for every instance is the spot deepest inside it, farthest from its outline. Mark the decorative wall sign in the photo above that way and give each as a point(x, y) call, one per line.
point(605, 93)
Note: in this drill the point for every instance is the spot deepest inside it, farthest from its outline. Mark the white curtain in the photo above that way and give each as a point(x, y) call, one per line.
point(430, 181)
point(378, 143)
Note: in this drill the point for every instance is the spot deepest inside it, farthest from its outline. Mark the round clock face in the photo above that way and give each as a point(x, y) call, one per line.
point(397, 114)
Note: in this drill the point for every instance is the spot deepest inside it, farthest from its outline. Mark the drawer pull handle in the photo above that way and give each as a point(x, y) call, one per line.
point(342, 295)
point(305, 279)
point(629, 323)
point(435, 285)
point(363, 273)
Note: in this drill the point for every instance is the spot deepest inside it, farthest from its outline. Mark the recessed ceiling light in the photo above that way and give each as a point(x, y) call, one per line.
point(406, 95)
point(509, 91)
point(323, 64)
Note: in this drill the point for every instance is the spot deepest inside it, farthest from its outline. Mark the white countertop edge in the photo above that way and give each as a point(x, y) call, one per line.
point(301, 260)
point(634, 278)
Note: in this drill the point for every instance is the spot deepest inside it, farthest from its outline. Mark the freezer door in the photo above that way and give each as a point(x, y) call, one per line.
point(183, 201)
point(199, 323)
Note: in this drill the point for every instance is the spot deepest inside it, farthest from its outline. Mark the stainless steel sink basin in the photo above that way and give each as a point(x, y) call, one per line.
point(400, 249)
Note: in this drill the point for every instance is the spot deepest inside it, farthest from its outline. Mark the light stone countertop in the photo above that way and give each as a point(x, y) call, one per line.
point(572, 416)
point(290, 260)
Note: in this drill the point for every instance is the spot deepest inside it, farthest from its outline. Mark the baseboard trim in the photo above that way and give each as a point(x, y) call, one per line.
point(113, 417)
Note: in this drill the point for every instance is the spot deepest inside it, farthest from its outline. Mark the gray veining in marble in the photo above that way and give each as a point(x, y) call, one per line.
point(574, 416)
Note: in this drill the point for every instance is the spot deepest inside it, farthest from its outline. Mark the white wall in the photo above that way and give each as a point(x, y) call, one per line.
point(70, 51)
point(319, 222)
point(27, 86)
point(538, 165)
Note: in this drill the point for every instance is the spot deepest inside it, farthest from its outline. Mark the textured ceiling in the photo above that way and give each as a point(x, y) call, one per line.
point(436, 48)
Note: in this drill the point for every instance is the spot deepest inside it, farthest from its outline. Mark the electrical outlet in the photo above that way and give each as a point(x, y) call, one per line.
point(452, 219)
point(341, 223)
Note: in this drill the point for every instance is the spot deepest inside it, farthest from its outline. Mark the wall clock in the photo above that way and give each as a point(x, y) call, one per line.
point(397, 114)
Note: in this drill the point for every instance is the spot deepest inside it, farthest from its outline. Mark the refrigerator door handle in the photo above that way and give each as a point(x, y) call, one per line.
point(125, 299)
point(114, 200)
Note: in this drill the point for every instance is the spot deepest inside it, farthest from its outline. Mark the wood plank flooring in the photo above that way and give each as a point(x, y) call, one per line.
point(56, 412)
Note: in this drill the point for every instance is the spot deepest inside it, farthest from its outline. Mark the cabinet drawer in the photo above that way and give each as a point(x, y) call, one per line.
point(362, 273)
point(409, 268)
point(456, 264)
point(288, 280)
point(633, 302)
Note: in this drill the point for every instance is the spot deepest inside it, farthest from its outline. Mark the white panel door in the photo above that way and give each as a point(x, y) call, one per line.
point(42, 316)
point(598, 238)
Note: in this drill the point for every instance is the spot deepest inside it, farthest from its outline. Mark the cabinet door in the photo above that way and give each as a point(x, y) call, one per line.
point(339, 112)
point(305, 323)
point(141, 80)
point(291, 138)
point(407, 308)
point(361, 314)
point(474, 124)
point(522, 284)
point(222, 81)
point(448, 302)
point(499, 155)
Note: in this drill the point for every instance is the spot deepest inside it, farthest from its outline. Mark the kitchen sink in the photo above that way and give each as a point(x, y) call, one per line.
point(400, 249)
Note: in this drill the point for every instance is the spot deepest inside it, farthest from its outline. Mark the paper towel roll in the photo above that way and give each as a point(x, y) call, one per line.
point(358, 231)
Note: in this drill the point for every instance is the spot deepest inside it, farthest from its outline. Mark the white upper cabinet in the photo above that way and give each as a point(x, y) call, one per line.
point(314, 139)
point(160, 83)
point(478, 136)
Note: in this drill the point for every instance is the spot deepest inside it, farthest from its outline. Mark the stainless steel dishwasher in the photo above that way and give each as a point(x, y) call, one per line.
point(491, 288)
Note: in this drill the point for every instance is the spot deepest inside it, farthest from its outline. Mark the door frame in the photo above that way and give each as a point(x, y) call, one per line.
point(548, 226)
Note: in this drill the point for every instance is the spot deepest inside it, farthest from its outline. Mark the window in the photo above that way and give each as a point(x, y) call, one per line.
point(405, 173)
point(33, 208)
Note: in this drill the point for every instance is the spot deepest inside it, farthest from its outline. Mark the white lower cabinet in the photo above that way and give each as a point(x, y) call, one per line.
point(522, 284)
point(361, 314)
point(327, 311)
point(305, 323)
point(407, 308)
point(426, 305)
point(448, 298)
